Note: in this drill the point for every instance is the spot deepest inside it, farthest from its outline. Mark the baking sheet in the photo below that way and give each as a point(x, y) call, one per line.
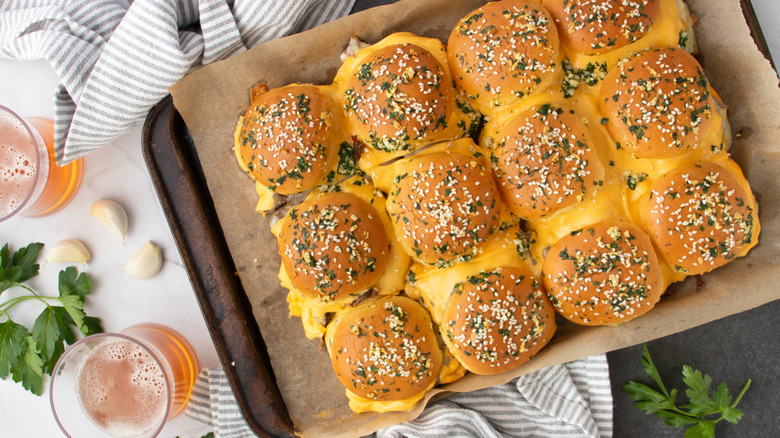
point(211, 99)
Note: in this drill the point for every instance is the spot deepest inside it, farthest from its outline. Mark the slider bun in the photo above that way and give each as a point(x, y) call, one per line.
point(700, 217)
point(443, 206)
point(385, 350)
point(503, 51)
point(606, 273)
point(657, 103)
point(594, 27)
point(397, 96)
point(497, 320)
point(333, 246)
point(287, 140)
point(543, 161)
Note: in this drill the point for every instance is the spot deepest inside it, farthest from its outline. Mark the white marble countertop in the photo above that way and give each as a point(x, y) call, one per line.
point(118, 172)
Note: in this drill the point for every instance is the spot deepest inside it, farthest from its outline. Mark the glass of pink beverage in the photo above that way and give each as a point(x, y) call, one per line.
point(31, 183)
point(124, 384)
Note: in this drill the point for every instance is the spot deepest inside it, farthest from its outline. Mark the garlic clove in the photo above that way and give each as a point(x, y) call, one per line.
point(69, 251)
point(145, 263)
point(111, 215)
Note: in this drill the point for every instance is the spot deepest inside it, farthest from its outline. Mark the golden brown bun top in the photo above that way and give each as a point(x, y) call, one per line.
point(385, 349)
point(606, 273)
point(285, 140)
point(657, 103)
point(443, 205)
point(503, 51)
point(700, 217)
point(544, 161)
point(399, 94)
point(496, 320)
point(593, 27)
point(333, 246)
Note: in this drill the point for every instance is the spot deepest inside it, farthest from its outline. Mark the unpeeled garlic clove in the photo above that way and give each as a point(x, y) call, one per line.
point(69, 251)
point(145, 263)
point(111, 215)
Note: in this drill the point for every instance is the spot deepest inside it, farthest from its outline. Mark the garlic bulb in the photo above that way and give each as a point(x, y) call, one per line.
point(145, 263)
point(69, 251)
point(111, 215)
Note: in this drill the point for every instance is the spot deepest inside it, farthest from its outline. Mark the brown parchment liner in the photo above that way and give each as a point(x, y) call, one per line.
point(211, 99)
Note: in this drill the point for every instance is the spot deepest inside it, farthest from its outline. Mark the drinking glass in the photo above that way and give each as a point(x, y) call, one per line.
point(125, 384)
point(31, 183)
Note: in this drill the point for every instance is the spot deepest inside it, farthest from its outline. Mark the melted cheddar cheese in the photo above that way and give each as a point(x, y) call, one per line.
point(460, 122)
point(432, 286)
point(619, 196)
point(671, 27)
point(314, 312)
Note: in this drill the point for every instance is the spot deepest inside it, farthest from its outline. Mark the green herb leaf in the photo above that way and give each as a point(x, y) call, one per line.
point(25, 258)
point(721, 396)
point(699, 414)
point(72, 283)
point(651, 370)
point(640, 391)
point(91, 326)
point(28, 370)
point(704, 429)
point(28, 356)
point(75, 308)
point(677, 419)
point(19, 267)
point(732, 415)
point(50, 331)
point(698, 384)
point(12, 345)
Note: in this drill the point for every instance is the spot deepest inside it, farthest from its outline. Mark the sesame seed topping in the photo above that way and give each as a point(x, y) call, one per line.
point(443, 207)
point(700, 217)
point(658, 97)
point(500, 316)
point(284, 138)
point(604, 271)
point(332, 248)
point(507, 52)
point(399, 95)
point(543, 161)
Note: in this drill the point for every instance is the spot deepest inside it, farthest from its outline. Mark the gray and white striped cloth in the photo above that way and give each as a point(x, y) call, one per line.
point(569, 400)
point(117, 58)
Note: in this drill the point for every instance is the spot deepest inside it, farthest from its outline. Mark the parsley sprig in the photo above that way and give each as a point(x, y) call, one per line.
point(699, 414)
point(28, 355)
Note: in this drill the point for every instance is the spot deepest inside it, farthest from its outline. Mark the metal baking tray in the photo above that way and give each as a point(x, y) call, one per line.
point(176, 173)
point(178, 179)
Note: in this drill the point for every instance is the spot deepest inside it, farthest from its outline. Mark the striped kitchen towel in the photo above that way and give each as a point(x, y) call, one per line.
point(116, 59)
point(569, 400)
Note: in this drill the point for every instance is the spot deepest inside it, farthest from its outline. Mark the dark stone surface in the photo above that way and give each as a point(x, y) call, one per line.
point(731, 350)
point(361, 5)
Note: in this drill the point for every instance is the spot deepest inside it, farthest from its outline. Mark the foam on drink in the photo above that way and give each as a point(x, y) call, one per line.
point(18, 170)
point(122, 389)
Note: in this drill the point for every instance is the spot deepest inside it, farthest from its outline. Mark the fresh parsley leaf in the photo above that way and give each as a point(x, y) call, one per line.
point(25, 258)
point(28, 356)
point(73, 283)
point(18, 267)
point(50, 331)
point(12, 345)
point(28, 370)
point(91, 326)
point(75, 308)
point(699, 414)
point(651, 370)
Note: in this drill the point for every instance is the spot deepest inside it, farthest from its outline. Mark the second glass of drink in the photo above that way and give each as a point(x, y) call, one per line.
point(124, 384)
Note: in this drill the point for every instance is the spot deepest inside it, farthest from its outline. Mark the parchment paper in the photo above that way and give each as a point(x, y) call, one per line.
point(211, 99)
